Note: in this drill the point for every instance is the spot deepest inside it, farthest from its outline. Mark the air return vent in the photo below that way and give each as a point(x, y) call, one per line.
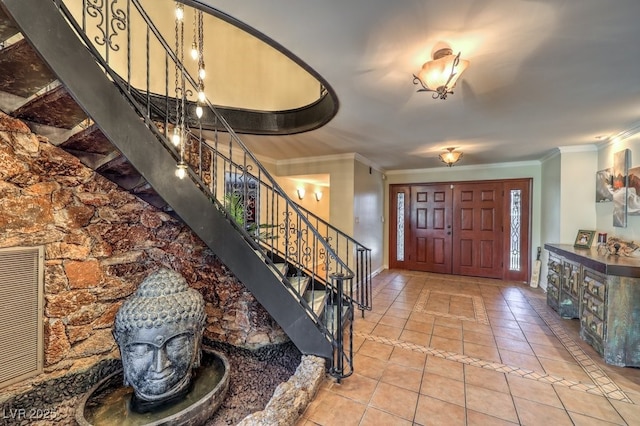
point(21, 283)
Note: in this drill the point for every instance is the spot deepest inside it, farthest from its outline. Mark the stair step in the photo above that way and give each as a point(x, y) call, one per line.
point(299, 283)
point(23, 72)
point(315, 299)
point(7, 27)
point(279, 268)
point(55, 108)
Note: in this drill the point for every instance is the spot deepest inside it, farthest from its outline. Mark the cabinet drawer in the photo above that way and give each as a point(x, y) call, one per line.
point(594, 306)
point(594, 284)
point(592, 323)
point(553, 280)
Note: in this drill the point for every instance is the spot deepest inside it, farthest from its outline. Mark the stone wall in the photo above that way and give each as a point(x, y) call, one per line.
point(100, 242)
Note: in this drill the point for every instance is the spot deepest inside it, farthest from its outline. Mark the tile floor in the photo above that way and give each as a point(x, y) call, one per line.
point(449, 350)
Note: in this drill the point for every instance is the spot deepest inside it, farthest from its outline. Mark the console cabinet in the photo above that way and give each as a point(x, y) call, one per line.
point(604, 293)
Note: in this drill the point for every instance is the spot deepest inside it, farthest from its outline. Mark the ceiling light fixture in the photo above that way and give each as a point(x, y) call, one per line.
point(440, 75)
point(450, 157)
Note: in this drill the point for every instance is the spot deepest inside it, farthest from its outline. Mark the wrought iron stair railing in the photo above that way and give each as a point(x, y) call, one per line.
point(222, 167)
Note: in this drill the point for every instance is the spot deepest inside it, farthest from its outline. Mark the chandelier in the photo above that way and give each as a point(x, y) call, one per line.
point(450, 157)
point(181, 136)
point(440, 75)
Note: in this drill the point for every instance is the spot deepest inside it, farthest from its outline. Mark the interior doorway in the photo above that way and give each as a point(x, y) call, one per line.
point(479, 229)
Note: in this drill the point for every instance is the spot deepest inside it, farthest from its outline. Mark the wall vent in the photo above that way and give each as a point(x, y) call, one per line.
point(21, 311)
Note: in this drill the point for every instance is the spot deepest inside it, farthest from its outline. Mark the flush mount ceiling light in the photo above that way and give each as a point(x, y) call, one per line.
point(440, 75)
point(450, 157)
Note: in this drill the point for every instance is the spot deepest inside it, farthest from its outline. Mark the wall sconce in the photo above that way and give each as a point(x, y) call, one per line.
point(450, 157)
point(301, 193)
point(318, 195)
point(440, 75)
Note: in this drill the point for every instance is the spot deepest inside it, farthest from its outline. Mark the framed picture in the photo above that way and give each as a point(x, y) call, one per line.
point(584, 239)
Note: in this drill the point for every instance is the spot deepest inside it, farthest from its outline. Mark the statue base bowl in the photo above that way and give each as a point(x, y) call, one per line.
point(107, 403)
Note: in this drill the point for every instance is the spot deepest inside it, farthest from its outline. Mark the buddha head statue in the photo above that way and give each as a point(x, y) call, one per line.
point(158, 331)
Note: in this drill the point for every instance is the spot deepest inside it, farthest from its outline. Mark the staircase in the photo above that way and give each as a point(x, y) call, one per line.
point(308, 275)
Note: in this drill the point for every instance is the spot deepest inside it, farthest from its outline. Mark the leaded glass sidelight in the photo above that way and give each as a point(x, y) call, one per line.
point(514, 231)
point(400, 227)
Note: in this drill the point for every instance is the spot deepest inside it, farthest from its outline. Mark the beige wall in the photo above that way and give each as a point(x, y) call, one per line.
point(369, 211)
point(341, 193)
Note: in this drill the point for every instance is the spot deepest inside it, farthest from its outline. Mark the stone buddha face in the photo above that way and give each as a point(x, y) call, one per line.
point(159, 331)
point(160, 360)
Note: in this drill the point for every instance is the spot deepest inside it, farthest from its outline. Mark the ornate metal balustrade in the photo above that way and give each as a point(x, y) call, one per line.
point(315, 261)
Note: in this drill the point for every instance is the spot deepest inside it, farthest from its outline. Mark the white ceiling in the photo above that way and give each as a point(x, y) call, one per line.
point(543, 74)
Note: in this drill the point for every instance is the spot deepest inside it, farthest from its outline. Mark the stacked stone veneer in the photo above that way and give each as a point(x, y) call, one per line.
point(100, 242)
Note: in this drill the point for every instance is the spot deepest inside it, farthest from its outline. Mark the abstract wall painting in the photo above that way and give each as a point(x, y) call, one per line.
point(604, 186)
point(633, 192)
point(620, 170)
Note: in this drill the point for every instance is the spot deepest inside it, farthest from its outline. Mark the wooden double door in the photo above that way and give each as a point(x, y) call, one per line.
point(477, 229)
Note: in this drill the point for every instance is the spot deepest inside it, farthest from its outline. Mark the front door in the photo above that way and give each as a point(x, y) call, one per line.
point(478, 228)
point(465, 228)
point(430, 230)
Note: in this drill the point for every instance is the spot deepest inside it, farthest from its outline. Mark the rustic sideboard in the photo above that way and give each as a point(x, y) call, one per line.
point(603, 291)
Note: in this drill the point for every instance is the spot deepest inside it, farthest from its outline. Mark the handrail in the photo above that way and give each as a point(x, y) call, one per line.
point(222, 167)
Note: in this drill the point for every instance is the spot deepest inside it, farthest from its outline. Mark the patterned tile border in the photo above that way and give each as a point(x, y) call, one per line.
point(499, 367)
point(608, 387)
point(478, 307)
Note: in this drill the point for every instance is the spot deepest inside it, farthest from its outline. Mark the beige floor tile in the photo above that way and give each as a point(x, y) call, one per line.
point(401, 309)
point(344, 411)
point(431, 411)
point(479, 338)
point(629, 412)
point(449, 345)
point(569, 371)
point(387, 331)
point(375, 417)
point(533, 413)
point(408, 358)
point(371, 317)
point(485, 378)
point(542, 339)
point(376, 350)
point(535, 328)
point(403, 377)
point(502, 315)
point(357, 387)
point(503, 323)
point(422, 327)
point(422, 317)
point(443, 388)
point(532, 390)
point(594, 406)
point(520, 346)
point(491, 402)
point(482, 352)
point(476, 418)
point(395, 400)
point(368, 366)
point(421, 339)
point(508, 332)
point(471, 326)
point(448, 322)
point(362, 326)
point(582, 420)
point(447, 332)
point(392, 321)
point(516, 359)
point(552, 352)
point(445, 367)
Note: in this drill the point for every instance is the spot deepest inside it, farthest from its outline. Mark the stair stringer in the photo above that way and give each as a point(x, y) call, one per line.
point(74, 66)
